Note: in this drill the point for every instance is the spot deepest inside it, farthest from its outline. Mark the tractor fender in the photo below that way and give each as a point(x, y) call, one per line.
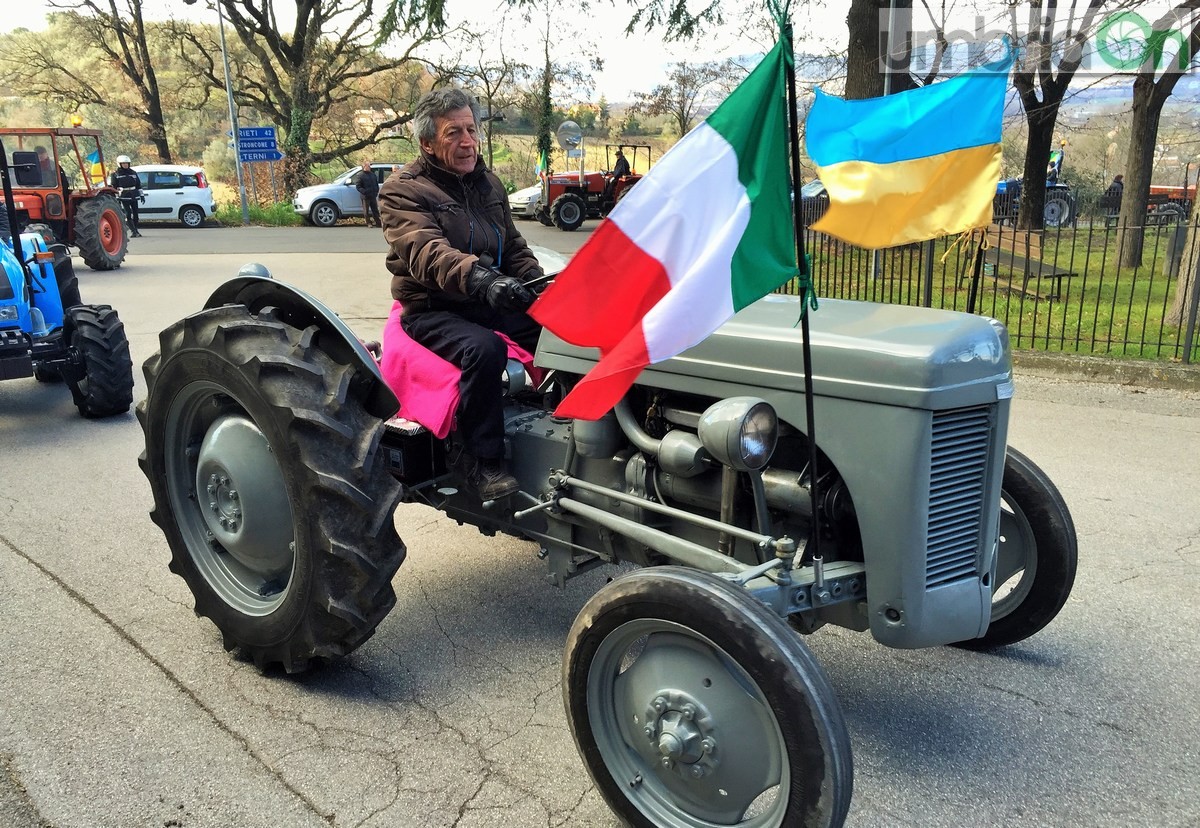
point(300, 310)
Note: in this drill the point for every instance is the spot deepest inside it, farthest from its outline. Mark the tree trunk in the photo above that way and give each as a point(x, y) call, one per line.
point(865, 54)
point(1189, 277)
point(157, 133)
point(296, 148)
point(1149, 97)
point(1037, 158)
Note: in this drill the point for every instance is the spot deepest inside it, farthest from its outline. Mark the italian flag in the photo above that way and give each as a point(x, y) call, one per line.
point(708, 231)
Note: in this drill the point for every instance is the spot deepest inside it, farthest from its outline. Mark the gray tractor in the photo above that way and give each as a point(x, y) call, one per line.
point(276, 463)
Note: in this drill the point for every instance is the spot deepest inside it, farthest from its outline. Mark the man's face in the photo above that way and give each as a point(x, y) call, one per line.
point(455, 143)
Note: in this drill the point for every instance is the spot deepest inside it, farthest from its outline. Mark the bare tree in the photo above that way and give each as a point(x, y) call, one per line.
point(1054, 52)
point(297, 76)
point(684, 96)
point(1152, 86)
point(119, 34)
point(492, 75)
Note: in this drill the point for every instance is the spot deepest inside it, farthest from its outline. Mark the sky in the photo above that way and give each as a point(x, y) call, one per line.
point(631, 64)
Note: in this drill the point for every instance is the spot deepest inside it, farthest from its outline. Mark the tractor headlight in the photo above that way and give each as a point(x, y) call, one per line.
point(8, 313)
point(740, 432)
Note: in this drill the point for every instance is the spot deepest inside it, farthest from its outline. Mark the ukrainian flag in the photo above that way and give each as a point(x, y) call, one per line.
point(911, 166)
point(96, 169)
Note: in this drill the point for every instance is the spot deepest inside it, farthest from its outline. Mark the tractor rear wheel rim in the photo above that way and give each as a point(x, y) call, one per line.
point(110, 232)
point(230, 498)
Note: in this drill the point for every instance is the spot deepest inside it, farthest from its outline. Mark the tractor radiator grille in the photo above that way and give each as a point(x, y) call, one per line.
point(957, 478)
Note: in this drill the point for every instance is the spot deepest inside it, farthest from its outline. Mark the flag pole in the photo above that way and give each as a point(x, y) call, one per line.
point(812, 549)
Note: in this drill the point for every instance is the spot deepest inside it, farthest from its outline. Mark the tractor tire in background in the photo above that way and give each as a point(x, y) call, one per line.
point(1057, 211)
point(100, 232)
point(568, 212)
point(102, 380)
point(543, 216)
point(64, 274)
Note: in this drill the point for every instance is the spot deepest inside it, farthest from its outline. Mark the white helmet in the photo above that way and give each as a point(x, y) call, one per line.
point(123, 159)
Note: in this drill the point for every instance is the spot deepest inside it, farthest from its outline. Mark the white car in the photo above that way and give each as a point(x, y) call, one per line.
point(524, 203)
point(324, 204)
point(175, 193)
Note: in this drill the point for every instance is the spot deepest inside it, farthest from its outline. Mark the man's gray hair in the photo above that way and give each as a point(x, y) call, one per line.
point(434, 105)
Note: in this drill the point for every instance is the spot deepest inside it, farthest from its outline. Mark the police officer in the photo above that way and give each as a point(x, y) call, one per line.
point(129, 190)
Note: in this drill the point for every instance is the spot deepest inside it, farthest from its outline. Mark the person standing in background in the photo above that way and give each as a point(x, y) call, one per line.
point(128, 185)
point(368, 189)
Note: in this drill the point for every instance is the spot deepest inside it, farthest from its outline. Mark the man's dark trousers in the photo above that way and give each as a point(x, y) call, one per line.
point(466, 337)
point(131, 212)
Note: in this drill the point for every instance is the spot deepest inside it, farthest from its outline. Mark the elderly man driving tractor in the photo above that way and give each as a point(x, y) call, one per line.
point(458, 267)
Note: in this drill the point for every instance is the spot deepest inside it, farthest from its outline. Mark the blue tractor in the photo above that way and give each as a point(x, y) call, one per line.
point(45, 329)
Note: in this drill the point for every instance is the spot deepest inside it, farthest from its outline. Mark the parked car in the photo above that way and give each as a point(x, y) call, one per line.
point(525, 203)
point(175, 193)
point(814, 201)
point(324, 204)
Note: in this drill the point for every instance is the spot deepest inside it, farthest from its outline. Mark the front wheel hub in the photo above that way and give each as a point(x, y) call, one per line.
point(682, 731)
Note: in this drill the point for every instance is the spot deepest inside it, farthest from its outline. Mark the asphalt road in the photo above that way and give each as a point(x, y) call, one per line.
point(118, 707)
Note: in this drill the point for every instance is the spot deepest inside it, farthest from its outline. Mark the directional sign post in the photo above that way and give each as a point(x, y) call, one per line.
point(257, 144)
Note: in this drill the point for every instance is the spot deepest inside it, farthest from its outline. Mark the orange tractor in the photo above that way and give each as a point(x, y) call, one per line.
point(568, 203)
point(68, 194)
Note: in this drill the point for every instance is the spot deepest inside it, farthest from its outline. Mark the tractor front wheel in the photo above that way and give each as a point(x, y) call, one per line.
point(270, 485)
point(101, 372)
point(694, 706)
point(1037, 556)
point(568, 211)
point(100, 232)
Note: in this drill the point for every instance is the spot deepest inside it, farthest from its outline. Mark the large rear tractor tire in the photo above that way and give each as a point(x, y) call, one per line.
point(694, 706)
point(101, 372)
point(568, 212)
point(270, 486)
point(100, 232)
point(1037, 556)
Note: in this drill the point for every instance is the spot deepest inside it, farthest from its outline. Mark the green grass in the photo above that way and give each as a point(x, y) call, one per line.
point(273, 215)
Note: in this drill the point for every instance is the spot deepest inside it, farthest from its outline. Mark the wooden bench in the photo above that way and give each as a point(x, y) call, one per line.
point(1020, 252)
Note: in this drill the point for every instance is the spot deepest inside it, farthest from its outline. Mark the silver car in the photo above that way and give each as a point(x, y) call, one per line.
point(324, 204)
point(524, 203)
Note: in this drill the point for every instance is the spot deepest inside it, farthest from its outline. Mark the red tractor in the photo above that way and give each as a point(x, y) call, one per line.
point(567, 204)
point(71, 197)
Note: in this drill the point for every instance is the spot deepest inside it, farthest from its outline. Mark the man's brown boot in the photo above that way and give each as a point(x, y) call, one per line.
point(487, 478)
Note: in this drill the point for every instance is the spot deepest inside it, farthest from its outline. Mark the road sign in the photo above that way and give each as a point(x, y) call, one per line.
point(259, 155)
point(257, 144)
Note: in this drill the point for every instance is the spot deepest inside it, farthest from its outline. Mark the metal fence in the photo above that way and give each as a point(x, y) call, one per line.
point(1062, 289)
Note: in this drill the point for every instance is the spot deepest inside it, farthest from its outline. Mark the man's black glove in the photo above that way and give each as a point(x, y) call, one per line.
point(504, 293)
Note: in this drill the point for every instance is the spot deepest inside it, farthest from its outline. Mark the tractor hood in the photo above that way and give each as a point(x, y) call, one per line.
point(889, 354)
